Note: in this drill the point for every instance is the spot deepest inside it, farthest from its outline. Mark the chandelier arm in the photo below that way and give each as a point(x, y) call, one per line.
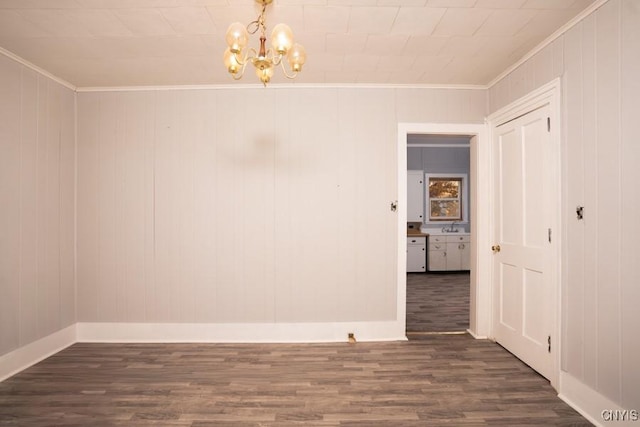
point(248, 59)
point(240, 60)
point(238, 76)
point(287, 75)
point(252, 54)
point(276, 58)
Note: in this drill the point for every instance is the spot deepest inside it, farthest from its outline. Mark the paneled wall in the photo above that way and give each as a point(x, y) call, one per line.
point(37, 167)
point(543, 67)
point(599, 61)
point(250, 205)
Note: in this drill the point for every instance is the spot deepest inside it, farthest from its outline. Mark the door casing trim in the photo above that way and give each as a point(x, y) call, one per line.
point(479, 177)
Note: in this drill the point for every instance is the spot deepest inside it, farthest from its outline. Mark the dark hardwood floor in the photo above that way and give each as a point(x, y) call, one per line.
point(437, 302)
point(430, 380)
point(437, 380)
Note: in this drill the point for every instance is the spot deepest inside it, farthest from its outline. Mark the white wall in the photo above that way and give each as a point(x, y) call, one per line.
point(37, 166)
point(599, 61)
point(245, 205)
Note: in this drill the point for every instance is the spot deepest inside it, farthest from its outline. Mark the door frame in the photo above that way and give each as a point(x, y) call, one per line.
point(480, 180)
point(548, 94)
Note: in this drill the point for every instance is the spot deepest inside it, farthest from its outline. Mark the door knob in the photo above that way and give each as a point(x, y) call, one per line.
point(495, 248)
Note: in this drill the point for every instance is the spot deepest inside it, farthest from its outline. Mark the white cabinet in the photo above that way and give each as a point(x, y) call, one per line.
point(437, 253)
point(449, 252)
point(415, 196)
point(416, 254)
point(465, 254)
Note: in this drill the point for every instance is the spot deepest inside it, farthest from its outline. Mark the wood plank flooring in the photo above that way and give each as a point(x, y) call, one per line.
point(433, 381)
point(438, 302)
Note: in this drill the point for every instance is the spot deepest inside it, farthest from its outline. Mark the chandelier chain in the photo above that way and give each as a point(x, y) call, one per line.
point(258, 24)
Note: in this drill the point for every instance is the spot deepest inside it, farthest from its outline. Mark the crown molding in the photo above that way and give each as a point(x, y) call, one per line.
point(566, 27)
point(37, 69)
point(232, 86)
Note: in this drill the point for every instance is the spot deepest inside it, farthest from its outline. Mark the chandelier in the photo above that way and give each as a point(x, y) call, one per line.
point(237, 55)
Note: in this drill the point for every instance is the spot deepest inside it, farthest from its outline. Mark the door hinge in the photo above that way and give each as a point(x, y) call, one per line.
point(548, 124)
point(549, 235)
point(549, 342)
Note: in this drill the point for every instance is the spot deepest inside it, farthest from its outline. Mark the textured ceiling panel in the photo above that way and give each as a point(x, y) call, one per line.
point(94, 43)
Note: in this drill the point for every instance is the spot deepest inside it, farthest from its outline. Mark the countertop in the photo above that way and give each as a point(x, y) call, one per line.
point(413, 230)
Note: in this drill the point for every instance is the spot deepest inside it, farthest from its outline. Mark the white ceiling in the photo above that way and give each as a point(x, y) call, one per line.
point(96, 43)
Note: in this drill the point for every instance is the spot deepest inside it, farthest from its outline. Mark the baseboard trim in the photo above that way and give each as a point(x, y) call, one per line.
point(478, 337)
point(588, 402)
point(30, 354)
point(240, 332)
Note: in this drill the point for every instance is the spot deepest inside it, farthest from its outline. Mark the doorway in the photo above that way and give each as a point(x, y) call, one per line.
point(479, 168)
point(438, 288)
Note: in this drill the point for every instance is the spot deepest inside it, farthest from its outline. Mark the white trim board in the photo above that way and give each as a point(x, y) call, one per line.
point(30, 354)
point(239, 332)
point(589, 403)
point(427, 145)
point(37, 69)
point(275, 86)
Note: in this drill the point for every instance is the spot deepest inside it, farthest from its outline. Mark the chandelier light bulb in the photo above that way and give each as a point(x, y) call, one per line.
point(282, 38)
point(231, 62)
point(237, 37)
point(297, 57)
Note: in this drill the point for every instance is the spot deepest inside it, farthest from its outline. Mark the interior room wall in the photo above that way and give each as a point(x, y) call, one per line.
point(599, 63)
point(37, 167)
point(253, 205)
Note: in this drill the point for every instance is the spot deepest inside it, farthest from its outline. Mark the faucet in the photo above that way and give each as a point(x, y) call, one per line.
point(451, 228)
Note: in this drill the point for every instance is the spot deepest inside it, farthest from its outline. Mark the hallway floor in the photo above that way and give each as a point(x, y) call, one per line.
point(437, 302)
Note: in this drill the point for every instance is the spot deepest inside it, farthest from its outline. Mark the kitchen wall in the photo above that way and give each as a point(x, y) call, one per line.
point(454, 160)
point(439, 159)
point(245, 206)
point(599, 63)
point(37, 167)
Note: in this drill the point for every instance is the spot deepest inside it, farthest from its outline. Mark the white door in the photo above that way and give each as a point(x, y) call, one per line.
point(523, 252)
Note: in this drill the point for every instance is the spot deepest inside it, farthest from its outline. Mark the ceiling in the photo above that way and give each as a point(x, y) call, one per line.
point(107, 43)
